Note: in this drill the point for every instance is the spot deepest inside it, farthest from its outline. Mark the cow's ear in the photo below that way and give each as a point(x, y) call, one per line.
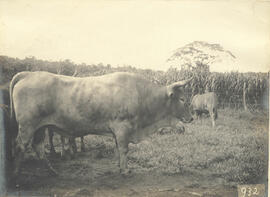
point(171, 89)
point(173, 92)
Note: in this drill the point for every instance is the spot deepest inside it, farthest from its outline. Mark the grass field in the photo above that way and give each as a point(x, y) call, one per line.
point(236, 150)
point(202, 161)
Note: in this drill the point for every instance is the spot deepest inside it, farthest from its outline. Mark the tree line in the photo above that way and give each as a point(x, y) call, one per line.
point(230, 86)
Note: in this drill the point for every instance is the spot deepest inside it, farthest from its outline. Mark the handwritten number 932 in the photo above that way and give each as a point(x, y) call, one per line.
point(249, 191)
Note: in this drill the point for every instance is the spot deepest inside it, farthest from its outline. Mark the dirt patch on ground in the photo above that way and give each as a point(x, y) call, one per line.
point(92, 175)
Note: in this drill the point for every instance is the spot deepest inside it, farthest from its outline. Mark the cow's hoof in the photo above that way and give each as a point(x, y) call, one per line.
point(16, 173)
point(53, 154)
point(73, 157)
point(12, 179)
point(67, 156)
point(126, 173)
point(53, 173)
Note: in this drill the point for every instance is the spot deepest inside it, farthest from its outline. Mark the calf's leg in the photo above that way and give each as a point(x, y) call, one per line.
point(82, 145)
point(212, 114)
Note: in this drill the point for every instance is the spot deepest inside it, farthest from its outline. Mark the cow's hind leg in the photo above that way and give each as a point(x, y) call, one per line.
point(38, 146)
point(24, 138)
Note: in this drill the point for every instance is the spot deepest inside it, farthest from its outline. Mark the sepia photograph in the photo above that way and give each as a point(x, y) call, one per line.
point(119, 98)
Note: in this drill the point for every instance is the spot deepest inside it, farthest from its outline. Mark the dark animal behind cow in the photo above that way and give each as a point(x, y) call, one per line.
point(66, 152)
point(9, 131)
point(202, 103)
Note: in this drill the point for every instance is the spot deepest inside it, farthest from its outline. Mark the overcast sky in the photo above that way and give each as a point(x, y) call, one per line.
point(139, 33)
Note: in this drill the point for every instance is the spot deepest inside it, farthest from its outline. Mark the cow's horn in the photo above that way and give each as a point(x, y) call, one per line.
point(180, 83)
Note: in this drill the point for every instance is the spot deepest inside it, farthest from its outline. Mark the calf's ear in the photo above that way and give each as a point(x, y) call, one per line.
point(171, 89)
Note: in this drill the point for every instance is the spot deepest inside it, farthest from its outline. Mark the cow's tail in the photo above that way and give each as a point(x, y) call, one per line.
point(13, 125)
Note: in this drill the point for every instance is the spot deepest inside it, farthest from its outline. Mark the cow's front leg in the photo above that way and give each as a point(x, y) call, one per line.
point(123, 151)
point(116, 151)
point(121, 131)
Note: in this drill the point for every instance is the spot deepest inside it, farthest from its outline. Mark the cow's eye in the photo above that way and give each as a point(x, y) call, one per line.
point(181, 99)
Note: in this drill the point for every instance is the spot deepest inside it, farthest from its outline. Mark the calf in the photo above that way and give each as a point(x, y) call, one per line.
point(205, 103)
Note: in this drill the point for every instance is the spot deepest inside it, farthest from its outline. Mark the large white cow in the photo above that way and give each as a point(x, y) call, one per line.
point(123, 105)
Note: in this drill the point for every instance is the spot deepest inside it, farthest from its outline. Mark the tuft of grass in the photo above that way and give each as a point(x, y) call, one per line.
point(104, 145)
